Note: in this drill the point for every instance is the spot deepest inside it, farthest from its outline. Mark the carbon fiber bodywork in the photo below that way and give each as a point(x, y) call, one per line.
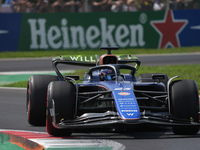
point(153, 100)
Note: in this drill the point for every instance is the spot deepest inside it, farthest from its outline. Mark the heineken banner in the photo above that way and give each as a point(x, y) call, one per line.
point(150, 29)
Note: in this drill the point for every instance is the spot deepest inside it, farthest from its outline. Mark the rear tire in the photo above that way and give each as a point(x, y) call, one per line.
point(63, 94)
point(185, 105)
point(36, 98)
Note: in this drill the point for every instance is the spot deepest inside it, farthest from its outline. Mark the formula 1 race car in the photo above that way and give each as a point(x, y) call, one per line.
point(110, 96)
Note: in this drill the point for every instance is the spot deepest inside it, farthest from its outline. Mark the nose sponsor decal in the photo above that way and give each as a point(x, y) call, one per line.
point(126, 103)
point(130, 114)
point(123, 93)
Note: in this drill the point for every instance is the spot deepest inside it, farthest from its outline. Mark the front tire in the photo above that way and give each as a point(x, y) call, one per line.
point(185, 105)
point(63, 94)
point(36, 98)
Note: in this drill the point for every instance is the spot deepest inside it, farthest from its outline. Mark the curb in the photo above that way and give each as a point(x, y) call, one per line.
point(20, 142)
point(31, 140)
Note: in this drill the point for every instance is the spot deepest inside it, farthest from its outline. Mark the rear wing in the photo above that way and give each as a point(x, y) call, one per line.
point(126, 59)
point(80, 60)
point(91, 61)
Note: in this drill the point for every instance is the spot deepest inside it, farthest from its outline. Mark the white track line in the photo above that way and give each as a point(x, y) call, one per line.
point(79, 143)
point(33, 72)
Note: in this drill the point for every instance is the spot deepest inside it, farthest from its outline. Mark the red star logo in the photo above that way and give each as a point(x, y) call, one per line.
point(169, 29)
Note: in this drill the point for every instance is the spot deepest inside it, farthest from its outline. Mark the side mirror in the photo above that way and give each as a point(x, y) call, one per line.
point(158, 77)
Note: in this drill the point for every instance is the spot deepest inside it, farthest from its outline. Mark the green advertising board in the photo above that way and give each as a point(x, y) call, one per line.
point(71, 31)
point(88, 30)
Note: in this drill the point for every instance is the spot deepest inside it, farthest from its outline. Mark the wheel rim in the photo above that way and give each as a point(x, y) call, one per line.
point(28, 103)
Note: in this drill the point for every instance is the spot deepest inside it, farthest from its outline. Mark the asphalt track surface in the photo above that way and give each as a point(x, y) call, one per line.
point(45, 64)
point(13, 110)
point(13, 116)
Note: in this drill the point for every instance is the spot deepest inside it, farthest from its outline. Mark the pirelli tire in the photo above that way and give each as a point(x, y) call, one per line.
point(63, 95)
point(185, 105)
point(36, 98)
point(147, 77)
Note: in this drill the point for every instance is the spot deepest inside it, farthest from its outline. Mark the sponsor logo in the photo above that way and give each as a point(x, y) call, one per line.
point(83, 58)
point(9, 31)
point(73, 37)
point(130, 114)
point(118, 89)
point(124, 93)
point(3, 31)
point(129, 111)
point(91, 59)
point(195, 27)
point(173, 26)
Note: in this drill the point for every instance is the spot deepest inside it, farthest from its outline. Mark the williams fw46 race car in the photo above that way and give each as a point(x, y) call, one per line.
point(110, 96)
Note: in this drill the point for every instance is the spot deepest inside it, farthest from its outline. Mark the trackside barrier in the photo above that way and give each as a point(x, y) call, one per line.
point(149, 29)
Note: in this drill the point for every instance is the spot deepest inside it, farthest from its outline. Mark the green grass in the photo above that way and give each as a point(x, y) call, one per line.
point(20, 84)
point(184, 72)
point(54, 53)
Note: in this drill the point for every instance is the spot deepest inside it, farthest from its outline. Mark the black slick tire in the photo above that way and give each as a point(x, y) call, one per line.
point(36, 98)
point(185, 105)
point(63, 94)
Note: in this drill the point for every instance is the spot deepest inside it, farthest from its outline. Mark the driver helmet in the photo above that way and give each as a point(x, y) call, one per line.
point(106, 74)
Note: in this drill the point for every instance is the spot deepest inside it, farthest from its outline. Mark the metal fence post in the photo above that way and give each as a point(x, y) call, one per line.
point(167, 4)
